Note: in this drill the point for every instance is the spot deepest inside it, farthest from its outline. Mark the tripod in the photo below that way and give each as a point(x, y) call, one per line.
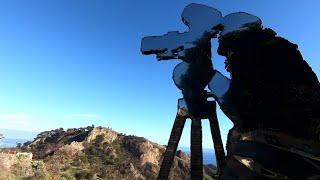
point(196, 143)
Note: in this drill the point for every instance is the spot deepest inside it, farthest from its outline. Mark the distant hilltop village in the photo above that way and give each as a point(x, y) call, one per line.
point(1, 137)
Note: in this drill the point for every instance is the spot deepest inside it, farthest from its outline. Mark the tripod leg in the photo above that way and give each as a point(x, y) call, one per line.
point(218, 146)
point(172, 147)
point(196, 149)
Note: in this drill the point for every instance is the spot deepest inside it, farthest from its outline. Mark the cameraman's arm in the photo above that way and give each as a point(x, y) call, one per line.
point(219, 85)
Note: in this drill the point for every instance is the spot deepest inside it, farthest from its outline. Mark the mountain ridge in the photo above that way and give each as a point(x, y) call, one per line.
point(102, 153)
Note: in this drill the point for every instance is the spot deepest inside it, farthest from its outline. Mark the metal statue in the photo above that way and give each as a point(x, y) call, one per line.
point(273, 97)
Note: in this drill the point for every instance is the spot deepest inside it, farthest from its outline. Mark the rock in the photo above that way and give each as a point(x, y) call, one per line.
point(25, 155)
point(210, 171)
point(182, 155)
point(7, 160)
point(145, 150)
point(72, 149)
point(135, 174)
point(110, 135)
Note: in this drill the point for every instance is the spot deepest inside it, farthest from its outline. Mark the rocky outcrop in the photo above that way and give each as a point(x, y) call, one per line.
point(7, 160)
point(12, 161)
point(73, 148)
point(109, 134)
point(145, 150)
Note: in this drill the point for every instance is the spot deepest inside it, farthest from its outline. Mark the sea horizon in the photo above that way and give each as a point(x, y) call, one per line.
point(12, 143)
point(208, 155)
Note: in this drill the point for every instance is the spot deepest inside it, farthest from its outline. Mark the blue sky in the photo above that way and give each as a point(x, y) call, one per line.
point(72, 63)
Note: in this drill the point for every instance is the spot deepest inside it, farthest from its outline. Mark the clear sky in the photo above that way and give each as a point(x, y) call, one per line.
point(73, 63)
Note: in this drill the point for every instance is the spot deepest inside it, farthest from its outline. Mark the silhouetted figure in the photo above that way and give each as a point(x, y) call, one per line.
point(274, 102)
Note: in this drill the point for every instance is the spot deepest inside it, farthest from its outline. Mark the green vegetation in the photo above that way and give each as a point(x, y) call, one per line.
point(207, 177)
point(84, 159)
point(84, 175)
point(97, 155)
point(99, 139)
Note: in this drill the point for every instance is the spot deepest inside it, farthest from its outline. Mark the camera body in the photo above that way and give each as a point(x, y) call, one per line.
point(200, 20)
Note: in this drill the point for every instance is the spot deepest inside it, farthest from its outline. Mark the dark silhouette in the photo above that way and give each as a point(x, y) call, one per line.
point(194, 48)
point(273, 97)
point(274, 103)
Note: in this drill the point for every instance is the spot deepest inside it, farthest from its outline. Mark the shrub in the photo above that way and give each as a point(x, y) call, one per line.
point(80, 175)
point(66, 177)
point(99, 139)
point(84, 175)
point(84, 159)
point(103, 173)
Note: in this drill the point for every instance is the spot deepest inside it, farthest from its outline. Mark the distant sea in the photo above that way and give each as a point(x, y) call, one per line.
point(9, 143)
point(209, 156)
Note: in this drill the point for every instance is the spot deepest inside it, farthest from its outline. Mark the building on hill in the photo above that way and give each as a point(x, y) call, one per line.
point(1, 137)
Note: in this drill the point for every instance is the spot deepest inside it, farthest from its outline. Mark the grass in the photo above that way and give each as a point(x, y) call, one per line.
point(207, 177)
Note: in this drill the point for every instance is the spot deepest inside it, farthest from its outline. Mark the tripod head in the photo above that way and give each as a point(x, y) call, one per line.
point(206, 108)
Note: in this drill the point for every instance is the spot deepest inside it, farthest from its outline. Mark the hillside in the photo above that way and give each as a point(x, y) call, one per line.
point(99, 153)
